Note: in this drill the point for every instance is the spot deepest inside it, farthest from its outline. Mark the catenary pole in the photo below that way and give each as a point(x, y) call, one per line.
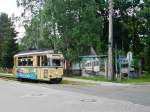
point(110, 41)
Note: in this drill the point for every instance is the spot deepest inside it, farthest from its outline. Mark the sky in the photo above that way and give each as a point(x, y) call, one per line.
point(10, 7)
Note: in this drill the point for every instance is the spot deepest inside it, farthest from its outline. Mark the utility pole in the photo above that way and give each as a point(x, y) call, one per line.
point(110, 41)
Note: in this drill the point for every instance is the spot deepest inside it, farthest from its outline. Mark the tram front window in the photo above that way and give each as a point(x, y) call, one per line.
point(56, 62)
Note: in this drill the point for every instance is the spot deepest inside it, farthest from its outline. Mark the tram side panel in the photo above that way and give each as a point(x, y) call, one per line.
point(37, 71)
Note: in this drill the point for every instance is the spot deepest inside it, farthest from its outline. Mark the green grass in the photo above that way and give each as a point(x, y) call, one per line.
point(68, 82)
point(7, 76)
point(94, 78)
point(144, 79)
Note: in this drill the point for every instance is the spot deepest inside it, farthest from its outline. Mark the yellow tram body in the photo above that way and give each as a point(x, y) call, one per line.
point(39, 65)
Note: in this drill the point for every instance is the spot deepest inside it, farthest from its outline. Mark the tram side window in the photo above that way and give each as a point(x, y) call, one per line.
point(49, 62)
point(19, 63)
point(56, 62)
point(25, 61)
point(44, 60)
point(30, 62)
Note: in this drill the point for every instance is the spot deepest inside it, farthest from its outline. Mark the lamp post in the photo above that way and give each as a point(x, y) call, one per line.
point(110, 41)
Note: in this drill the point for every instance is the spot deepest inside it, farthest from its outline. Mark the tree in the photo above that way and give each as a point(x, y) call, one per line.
point(75, 26)
point(68, 26)
point(30, 7)
point(8, 42)
point(144, 15)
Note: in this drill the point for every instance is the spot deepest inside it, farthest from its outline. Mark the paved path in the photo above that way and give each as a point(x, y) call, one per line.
point(23, 97)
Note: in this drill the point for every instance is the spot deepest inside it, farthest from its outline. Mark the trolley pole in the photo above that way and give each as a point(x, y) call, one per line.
point(110, 41)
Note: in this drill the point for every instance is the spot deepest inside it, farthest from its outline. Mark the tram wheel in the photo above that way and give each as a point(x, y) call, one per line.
point(56, 80)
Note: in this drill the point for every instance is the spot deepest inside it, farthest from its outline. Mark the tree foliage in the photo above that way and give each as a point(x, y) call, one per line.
point(144, 15)
point(71, 26)
point(75, 26)
point(8, 46)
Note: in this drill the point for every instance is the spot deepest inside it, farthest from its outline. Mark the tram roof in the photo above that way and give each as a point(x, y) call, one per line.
point(36, 52)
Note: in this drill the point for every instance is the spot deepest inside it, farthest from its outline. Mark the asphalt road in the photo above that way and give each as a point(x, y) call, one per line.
point(137, 94)
point(40, 97)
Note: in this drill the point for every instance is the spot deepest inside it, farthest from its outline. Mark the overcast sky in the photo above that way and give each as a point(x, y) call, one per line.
point(10, 7)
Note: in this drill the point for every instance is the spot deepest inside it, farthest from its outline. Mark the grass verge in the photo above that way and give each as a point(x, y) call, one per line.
point(144, 79)
point(93, 78)
point(7, 76)
point(77, 83)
